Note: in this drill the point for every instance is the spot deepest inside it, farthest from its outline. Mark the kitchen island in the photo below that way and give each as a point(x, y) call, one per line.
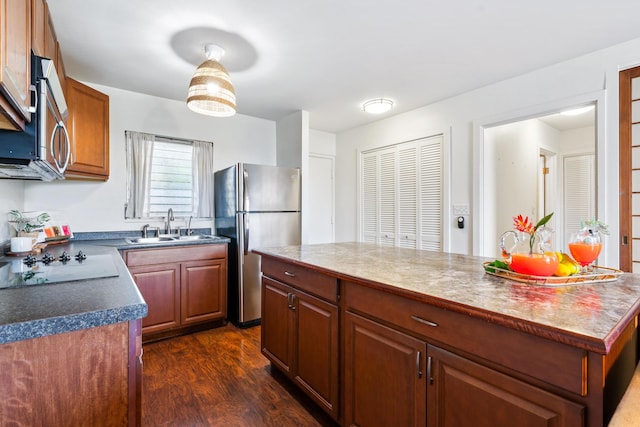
point(70, 352)
point(467, 345)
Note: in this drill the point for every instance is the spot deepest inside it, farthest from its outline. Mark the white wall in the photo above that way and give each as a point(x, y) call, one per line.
point(11, 197)
point(585, 74)
point(99, 206)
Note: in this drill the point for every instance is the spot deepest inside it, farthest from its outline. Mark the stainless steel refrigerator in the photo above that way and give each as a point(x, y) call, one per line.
point(255, 206)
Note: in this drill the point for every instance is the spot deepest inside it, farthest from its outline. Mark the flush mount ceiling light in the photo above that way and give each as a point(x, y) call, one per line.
point(577, 111)
point(377, 106)
point(211, 91)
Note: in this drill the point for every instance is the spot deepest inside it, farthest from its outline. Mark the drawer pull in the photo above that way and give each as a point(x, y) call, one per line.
point(290, 274)
point(423, 321)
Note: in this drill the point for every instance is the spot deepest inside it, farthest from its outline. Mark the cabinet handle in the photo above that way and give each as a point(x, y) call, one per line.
point(423, 321)
point(289, 300)
point(293, 302)
point(34, 107)
point(429, 377)
point(418, 364)
point(290, 274)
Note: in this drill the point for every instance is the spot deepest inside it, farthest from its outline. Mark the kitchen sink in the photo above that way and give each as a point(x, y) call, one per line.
point(194, 237)
point(137, 240)
point(167, 239)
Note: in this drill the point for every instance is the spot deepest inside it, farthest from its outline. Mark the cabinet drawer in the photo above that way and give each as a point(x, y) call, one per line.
point(315, 283)
point(552, 362)
point(174, 254)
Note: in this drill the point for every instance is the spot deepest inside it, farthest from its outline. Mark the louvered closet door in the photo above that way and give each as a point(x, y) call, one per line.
point(431, 193)
point(579, 191)
point(369, 222)
point(401, 194)
point(388, 203)
point(407, 197)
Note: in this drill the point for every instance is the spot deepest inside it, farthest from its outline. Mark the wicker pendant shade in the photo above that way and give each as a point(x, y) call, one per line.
point(211, 91)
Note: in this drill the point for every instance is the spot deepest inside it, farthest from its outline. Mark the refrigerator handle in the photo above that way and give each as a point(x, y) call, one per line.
point(245, 196)
point(245, 231)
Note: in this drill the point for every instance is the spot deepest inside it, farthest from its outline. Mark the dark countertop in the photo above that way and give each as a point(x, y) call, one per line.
point(40, 310)
point(589, 316)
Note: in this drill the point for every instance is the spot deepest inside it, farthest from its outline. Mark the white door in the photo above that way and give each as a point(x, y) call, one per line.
point(320, 228)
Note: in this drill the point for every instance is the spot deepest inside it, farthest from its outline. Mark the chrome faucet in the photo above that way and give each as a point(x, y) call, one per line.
point(144, 230)
point(169, 219)
point(189, 230)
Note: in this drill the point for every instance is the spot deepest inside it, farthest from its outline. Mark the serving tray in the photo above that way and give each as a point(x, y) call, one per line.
point(599, 274)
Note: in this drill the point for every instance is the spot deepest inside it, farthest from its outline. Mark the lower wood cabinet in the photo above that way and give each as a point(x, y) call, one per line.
point(183, 286)
point(385, 379)
point(464, 393)
point(300, 332)
point(89, 377)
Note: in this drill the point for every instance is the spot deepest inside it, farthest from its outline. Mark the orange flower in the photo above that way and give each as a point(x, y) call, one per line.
point(523, 224)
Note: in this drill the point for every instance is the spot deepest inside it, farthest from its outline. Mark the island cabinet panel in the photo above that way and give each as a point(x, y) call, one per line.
point(300, 331)
point(185, 287)
point(552, 362)
point(464, 393)
point(79, 378)
point(385, 378)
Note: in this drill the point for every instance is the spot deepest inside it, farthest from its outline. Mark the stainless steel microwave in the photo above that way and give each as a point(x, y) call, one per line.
point(43, 150)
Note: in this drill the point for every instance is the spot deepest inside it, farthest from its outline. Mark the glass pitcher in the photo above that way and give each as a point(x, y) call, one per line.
point(529, 253)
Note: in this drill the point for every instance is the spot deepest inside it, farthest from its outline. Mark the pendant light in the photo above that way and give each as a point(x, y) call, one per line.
point(211, 91)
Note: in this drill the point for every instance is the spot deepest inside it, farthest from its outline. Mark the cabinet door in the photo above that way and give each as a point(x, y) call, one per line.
point(88, 125)
point(277, 323)
point(160, 288)
point(15, 63)
point(316, 349)
point(203, 291)
point(38, 22)
point(464, 393)
point(385, 384)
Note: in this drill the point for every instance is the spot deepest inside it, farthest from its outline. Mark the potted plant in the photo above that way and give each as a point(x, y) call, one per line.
point(27, 226)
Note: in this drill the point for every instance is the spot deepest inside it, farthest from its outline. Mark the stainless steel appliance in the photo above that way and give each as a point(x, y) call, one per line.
point(43, 150)
point(255, 206)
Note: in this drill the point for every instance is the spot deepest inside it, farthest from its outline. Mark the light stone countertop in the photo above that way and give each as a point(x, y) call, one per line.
point(590, 316)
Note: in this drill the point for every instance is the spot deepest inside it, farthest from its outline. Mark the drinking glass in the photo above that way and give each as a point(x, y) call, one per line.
point(585, 246)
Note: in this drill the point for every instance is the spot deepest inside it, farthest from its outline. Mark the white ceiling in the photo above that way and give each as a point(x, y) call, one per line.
point(328, 56)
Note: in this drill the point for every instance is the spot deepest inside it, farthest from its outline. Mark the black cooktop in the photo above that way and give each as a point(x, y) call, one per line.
point(51, 268)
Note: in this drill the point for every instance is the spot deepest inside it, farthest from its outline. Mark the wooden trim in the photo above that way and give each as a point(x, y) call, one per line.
point(625, 166)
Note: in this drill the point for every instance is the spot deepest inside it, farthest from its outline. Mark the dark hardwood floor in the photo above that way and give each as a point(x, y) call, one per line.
point(219, 378)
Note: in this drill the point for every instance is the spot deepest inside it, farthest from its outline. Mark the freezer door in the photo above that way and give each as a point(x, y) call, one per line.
point(225, 192)
point(260, 230)
point(268, 188)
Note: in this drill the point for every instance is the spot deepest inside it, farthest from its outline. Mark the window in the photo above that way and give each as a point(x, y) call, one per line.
point(168, 173)
point(171, 183)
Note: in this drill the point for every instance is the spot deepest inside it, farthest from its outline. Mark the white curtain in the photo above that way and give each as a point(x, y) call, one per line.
point(139, 148)
point(203, 179)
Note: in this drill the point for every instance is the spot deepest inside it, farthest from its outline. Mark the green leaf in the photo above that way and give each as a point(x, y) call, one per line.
point(544, 220)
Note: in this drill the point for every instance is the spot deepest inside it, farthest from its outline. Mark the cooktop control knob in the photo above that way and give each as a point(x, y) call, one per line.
point(30, 260)
point(47, 258)
point(80, 256)
point(64, 257)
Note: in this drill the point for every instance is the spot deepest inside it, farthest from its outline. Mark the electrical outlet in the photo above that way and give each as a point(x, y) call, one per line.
point(461, 209)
